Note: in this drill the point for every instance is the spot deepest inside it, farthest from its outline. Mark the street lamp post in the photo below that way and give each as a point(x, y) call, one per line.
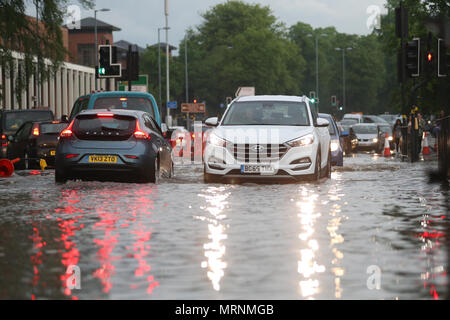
point(96, 40)
point(188, 119)
point(317, 62)
point(344, 97)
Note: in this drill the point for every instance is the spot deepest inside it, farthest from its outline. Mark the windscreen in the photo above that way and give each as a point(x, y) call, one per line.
point(140, 104)
point(365, 129)
point(52, 128)
point(14, 120)
point(348, 122)
point(104, 128)
point(267, 113)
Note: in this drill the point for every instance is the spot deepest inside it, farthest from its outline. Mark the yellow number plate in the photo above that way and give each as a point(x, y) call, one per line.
point(52, 153)
point(102, 159)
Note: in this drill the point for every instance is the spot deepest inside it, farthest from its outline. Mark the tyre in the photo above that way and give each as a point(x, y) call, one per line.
point(60, 176)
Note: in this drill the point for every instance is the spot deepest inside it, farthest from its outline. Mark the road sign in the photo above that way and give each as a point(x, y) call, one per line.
point(172, 105)
point(193, 108)
point(140, 86)
point(246, 92)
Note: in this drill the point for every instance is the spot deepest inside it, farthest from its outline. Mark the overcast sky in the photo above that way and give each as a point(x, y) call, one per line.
point(140, 19)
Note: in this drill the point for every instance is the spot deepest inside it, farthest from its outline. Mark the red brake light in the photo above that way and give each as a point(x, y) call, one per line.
point(67, 133)
point(105, 115)
point(139, 134)
point(123, 99)
point(70, 156)
point(36, 131)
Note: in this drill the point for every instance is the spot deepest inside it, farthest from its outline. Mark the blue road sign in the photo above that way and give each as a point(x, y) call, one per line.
point(172, 105)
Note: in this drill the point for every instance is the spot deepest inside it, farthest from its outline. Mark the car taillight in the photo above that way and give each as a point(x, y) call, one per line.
point(67, 133)
point(4, 141)
point(139, 134)
point(70, 156)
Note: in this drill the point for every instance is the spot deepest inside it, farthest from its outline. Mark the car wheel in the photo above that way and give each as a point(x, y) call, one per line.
point(328, 172)
point(60, 176)
point(318, 169)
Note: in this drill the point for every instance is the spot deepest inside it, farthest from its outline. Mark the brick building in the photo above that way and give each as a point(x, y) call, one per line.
point(82, 41)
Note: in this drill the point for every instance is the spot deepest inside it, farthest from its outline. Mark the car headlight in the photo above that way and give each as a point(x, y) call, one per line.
point(391, 139)
point(335, 145)
point(375, 140)
point(216, 141)
point(302, 142)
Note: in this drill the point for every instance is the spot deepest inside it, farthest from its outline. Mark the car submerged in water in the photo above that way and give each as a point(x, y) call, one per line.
point(272, 138)
point(110, 145)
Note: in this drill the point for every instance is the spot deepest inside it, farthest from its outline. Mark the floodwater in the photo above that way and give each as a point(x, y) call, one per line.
point(376, 230)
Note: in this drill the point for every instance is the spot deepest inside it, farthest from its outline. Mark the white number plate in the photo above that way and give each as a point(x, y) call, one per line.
point(257, 169)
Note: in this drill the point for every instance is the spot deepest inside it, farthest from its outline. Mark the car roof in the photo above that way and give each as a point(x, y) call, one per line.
point(273, 98)
point(122, 112)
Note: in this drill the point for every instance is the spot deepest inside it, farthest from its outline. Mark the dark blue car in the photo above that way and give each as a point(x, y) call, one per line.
point(337, 150)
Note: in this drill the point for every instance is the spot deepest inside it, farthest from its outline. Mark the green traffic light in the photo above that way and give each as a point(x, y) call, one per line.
point(313, 100)
point(102, 71)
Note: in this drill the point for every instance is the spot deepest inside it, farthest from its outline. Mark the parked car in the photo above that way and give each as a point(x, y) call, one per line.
point(373, 119)
point(368, 136)
point(12, 120)
point(112, 100)
point(112, 144)
point(337, 150)
point(35, 141)
point(270, 138)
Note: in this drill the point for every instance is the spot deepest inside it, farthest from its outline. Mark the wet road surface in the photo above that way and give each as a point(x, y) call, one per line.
point(183, 239)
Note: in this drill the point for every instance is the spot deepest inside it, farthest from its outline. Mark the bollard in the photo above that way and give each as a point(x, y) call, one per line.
point(387, 147)
point(7, 167)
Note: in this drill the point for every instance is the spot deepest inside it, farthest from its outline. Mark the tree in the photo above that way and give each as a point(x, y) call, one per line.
point(18, 32)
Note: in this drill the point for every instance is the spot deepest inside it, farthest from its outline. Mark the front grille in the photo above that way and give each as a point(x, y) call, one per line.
point(256, 153)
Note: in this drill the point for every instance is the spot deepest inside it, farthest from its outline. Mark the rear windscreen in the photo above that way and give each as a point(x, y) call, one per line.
point(140, 104)
point(52, 128)
point(14, 120)
point(107, 128)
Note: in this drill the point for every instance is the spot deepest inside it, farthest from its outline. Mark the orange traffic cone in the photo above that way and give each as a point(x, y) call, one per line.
point(7, 168)
point(387, 147)
point(426, 148)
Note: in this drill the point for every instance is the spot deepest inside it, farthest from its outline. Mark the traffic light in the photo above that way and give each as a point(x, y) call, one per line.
point(312, 96)
point(106, 63)
point(412, 63)
point(443, 59)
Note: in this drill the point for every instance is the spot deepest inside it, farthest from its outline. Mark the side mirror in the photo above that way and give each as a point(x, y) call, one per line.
point(322, 123)
point(164, 128)
point(65, 119)
point(212, 122)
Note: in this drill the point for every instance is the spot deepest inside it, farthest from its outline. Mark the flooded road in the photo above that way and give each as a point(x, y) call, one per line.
point(376, 230)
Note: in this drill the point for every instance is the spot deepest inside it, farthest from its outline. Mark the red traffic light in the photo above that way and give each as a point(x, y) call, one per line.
point(429, 57)
point(195, 101)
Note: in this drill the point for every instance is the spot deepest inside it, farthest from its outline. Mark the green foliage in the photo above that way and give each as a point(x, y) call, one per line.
point(240, 44)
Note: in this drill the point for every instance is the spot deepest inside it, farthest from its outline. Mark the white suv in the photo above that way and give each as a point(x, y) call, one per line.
point(268, 137)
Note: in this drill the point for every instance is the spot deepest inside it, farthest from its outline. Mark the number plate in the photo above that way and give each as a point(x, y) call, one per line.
point(257, 169)
point(102, 159)
point(52, 153)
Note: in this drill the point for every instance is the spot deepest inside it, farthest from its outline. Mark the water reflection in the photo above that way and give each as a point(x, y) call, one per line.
point(214, 250)
point(308, 267)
